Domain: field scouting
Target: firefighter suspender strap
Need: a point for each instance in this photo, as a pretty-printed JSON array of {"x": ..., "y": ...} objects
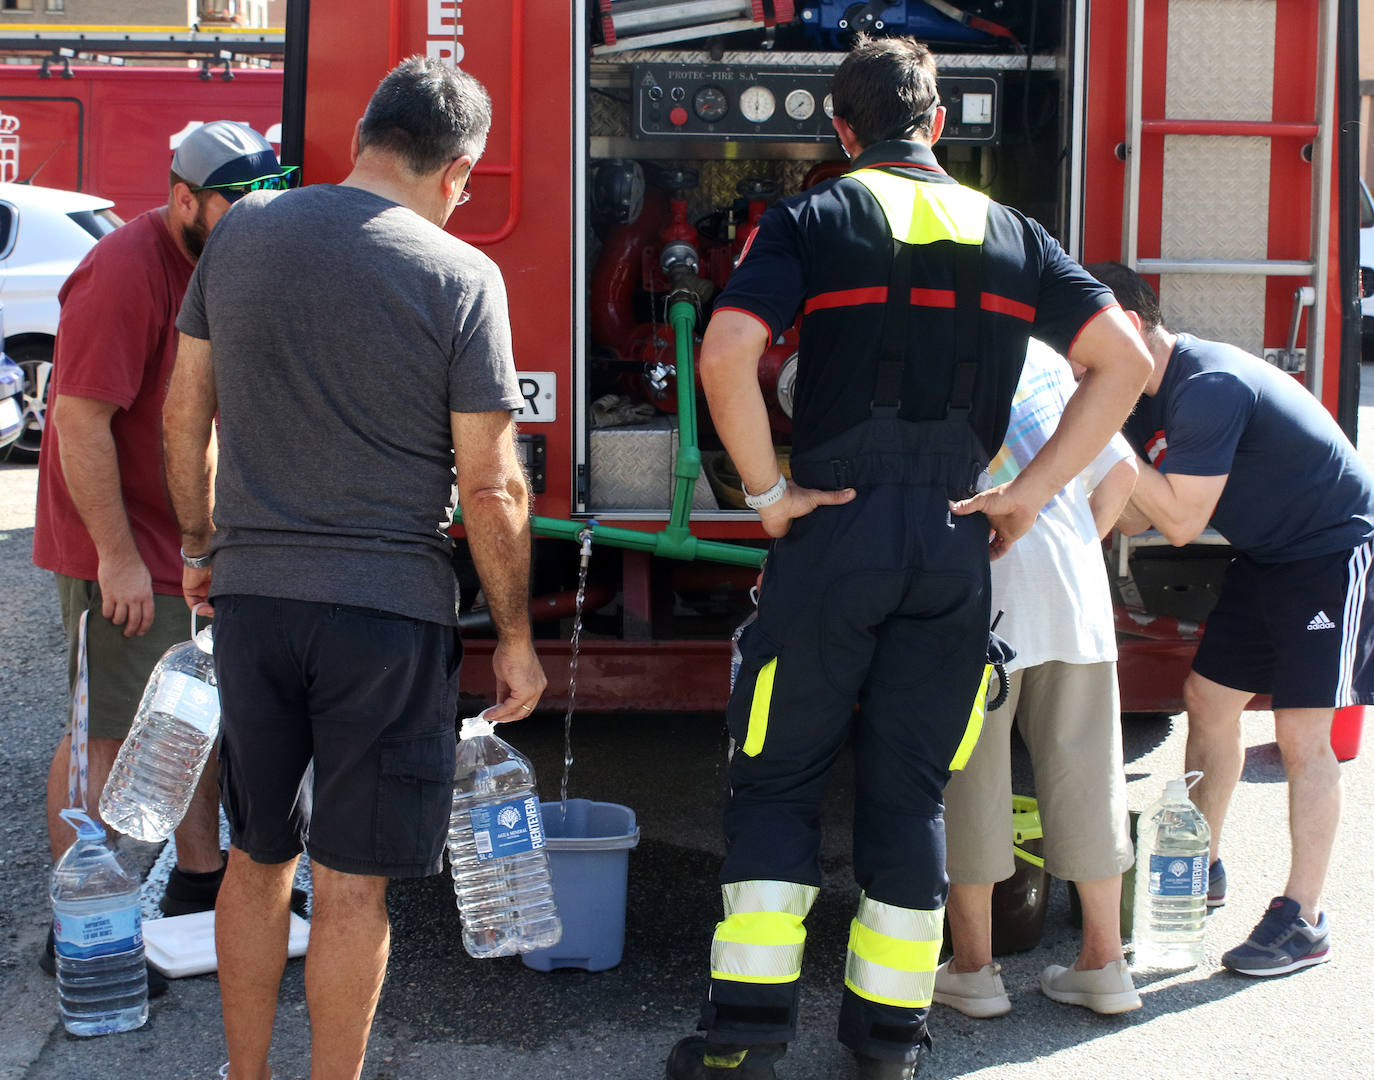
[
  {"x": 887, "y": 390},
  {"x": 920, "y": 213},
  {"x": 968, "y": 295},
  {"x": 968, "y": 322}
]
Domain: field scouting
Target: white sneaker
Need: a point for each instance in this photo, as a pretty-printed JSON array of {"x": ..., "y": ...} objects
[
  {"x": 1107, "y": 990},
  {"x": 979, "y": 994}
]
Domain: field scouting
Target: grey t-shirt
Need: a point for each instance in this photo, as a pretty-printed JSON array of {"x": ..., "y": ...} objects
[{"x": 343, "y": 329}]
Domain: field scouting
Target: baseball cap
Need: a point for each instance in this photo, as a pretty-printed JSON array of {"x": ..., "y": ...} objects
[{"x": 230, "y": 158}]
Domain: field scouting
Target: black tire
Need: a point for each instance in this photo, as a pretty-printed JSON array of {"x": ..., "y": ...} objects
[{"x": 35, "y": 357}]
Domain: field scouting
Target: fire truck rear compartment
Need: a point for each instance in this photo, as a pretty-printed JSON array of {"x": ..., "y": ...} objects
[{"x": 684, "y": 151}]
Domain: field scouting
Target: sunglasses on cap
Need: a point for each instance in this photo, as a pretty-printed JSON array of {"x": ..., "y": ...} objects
[{"x": 289, "y": 177}]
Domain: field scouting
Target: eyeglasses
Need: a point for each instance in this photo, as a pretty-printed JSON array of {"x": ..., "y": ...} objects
[
  {"x": 466, "y": 193},
  {"x": 288, "y": 178}
]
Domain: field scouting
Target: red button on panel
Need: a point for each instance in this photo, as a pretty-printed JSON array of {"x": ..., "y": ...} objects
[{"x": 678, "y": 116}]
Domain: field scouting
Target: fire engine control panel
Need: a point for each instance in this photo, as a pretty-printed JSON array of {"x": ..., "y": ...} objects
[{"x": 723, "y": 101}]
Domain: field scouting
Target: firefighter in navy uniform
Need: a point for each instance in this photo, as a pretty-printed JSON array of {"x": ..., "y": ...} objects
[{"x": 918, "y": 296}]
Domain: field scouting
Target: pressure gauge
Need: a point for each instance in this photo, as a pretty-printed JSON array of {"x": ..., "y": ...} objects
[
  {"x": 757, "y": 103},
  {"x": 977, "y": 109},
  {"x": 829, "y": 106},
  {"x": 710, "y": 104},
  {"x": 799, "y": 104}
]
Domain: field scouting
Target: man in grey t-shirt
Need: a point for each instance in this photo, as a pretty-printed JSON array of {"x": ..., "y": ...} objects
[{"x": 355, "y": 354}]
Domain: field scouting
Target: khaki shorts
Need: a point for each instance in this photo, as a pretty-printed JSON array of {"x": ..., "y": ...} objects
[
  {"x": 1069, "y": 716},
  {"x": 119, "y": 667}
]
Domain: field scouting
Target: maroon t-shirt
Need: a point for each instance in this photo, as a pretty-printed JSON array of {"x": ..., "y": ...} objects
[{"x": 116, "y": 342}]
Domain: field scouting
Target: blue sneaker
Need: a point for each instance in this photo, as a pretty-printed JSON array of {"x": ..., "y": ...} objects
[
  {"x": 1216, "y": 885},
  {"x": 1281, "y": 942}
]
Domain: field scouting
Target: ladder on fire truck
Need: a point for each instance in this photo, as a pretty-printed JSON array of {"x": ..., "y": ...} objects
[
  {"x": 1208, "y": 157},
  {"x": 1213, "y": 184},
  {"x": 214, "y": 45}
]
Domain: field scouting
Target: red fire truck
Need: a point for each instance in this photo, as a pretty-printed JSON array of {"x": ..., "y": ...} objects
[
  {"x": 108, "y": 130},
  {"x": 635, "y": 142}
]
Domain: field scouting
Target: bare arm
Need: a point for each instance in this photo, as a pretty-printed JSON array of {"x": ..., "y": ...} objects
[
  {"x": 90, "y": 467},
  {"x": 1130, "y": 521},
  {"x": 1117, "y": 366},
  {"x": 1109, "y": 498},
  {"x": 496, "y": 517},
  {"x": 188, "y": 452},
  {"x": 1178, "y": 506},
  {"x": 729, "y": 364}
]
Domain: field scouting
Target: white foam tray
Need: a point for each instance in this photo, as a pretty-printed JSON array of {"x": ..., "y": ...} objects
[{"x": 185, "y": 944}]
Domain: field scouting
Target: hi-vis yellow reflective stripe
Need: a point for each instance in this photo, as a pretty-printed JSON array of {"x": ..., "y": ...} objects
[
  {"x": 762, "y": 937},
  {"x": 758, "y": 709},
  {"x": 922, "y": 213},
  {"x": 893, "y": 953},
  {"x": 975, "y": 724}
]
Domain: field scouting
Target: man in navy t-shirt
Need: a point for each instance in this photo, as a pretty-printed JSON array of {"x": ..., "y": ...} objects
[{"x": 1239, "y": 445}]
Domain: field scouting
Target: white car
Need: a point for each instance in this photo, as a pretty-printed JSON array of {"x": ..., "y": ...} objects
[
  {"x": 44, "y": 233},
  {"x": 11, "y": 399}
]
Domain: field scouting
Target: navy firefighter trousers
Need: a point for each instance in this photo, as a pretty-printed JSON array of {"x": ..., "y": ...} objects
[{"x": 880, "y": 603}]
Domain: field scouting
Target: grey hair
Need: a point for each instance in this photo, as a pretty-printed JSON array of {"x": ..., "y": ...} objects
[{"x": 427, "y": 114}]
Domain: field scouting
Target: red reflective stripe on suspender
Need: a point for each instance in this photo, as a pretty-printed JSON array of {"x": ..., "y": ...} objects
[{"x": 931, "y": 298}]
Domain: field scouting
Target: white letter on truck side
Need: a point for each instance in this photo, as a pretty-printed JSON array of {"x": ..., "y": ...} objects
[
  {"x": 442, "y": 15},
  {"x": 445, "y": 52}
]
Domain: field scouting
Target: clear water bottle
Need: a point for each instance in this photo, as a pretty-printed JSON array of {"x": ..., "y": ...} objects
[
  {"x": 158, "y": 767},
  {"x": 496, "y": 848},
  {"x": 1171, "y": 881},
  {"x": 102, "y": 980}
]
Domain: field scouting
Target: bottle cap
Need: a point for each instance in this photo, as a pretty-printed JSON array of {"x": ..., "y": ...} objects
[
  {"x": 1177, "y": 790},
  {"x": 205, "y": 642},
  {"x": 474, "y": 727},
  {"x": 86, "y": 828}
]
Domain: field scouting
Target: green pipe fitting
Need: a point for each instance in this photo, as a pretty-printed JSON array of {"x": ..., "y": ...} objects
[
  {"x": 662, "y": 543},
  {"x": 675, "y": 541}
]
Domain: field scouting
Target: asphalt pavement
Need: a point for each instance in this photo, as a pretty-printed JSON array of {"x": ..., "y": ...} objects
[{"x": 444, "y": 1015}]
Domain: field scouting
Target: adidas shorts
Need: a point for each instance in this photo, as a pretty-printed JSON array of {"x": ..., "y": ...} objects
[{"x": 1302, "y": 631}]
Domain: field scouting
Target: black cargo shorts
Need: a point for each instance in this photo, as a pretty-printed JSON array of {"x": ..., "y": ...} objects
[{"x": 371, "y": 697}]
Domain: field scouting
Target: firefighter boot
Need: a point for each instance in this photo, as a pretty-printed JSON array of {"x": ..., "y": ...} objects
[
  {"x": 694, "y": 1059},
  {"x": 871, "y": 1068}
]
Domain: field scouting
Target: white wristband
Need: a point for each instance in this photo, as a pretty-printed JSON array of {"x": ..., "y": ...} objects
[{"x": 766, "y": 498}]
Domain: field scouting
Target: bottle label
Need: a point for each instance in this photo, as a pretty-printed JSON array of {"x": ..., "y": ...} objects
[
  {"x": 106, "y": 933},
  {"x": 504, "y": 829},
  {"x": 1177, "y": 875},
  {"x": 187, "y": 699}
]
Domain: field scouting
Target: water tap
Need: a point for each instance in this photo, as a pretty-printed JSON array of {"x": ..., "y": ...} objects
[
  {"x": 657, "y": 376},
  {"x": 585, "y": 539}
]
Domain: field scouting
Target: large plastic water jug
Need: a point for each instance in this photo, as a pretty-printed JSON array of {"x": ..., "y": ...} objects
[
  {"x": 102, "y": 979},
  {"x": 496, "y": 848},
  {"x": 1171, "y": 861},
  {"x": 159, "y": 765}
]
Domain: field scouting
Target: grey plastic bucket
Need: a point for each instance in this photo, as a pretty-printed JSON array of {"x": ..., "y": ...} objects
[{"x": 589, "y": 861}]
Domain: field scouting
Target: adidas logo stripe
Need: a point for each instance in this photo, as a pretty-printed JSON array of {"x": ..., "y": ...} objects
[{"x": 1320, "y": 621}]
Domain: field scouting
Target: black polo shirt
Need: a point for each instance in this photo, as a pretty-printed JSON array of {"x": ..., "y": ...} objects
[{"x": 826, "y": 254}]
